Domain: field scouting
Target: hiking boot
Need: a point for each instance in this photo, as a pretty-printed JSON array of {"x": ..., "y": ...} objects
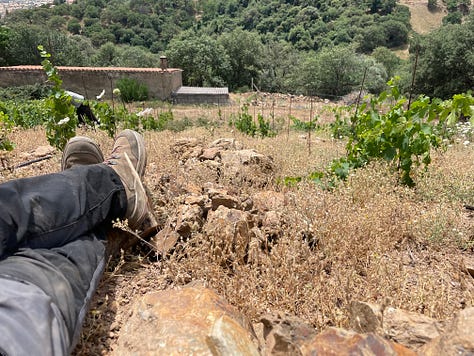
[
  {"x": 80, "y": 150},
  {"x": 128, "y": 160}
]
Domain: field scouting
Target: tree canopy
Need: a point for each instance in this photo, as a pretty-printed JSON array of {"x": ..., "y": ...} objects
[{"x": 237, "y": 42}]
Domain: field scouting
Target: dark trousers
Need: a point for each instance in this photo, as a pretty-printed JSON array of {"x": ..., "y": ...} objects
[{"x": 52, "y": 255}]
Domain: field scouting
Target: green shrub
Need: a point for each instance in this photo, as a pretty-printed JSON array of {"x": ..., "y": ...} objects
[
  {"x": 179, "y": 125},
  {"x": 25, "y": 113},
  {"x": 300, "y": 125},
  {"x": 61, "y": 121},
  {"x": 402, "y": 136},
  {"x": 25, "y": 92},
  {"x": 5, "y": 128},
  {"x": 131, "y": 90},
  {"x": 245, "y": 123}
]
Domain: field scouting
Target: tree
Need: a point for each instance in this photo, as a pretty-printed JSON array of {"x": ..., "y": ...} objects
[
  {"x": 56, "y": 22},
  {"x": 375, "y": 74},
  {"x": 138, "y": 57},
  {"x": 388, "y": 59},
  {"x": 396, "y": 33},
  {"x": 432, "y": 5},
  {"x": 22, "y": 47},
  {"x": 5, "y": 34},
  {"x": 371, "y": 38},
  {"x": 454, "y": 17},
  {"x": 446, "y": 60},
  {"x": 244, "y": 50},
  {"x": 332, "y": 72},
  {"x": 107, "y": 55},
  {"x": 74, "y": 26},
  {"x": 278, "y": 62},
  {"x": 203, "y": 60}
]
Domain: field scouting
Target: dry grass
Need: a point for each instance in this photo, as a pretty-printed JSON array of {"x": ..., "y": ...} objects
[
  {"x": 423, "y": 20},
  {"x": 369, "y": 239}
]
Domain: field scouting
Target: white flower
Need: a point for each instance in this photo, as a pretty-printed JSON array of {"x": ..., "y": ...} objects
[
  {"x": 64, "y": 121},
  {"x": 145, "y": 112},
  {"x": 116, "y": 91},
  {"x": 101, "y": 94}
]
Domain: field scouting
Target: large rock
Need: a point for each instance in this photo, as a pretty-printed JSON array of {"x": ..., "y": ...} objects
[
  {"x": 223, "y": 160},
  {"x": 283, "y": 334},
  {"x": 230, "y": 232},
  {"x": 189, "y": 321},
  {"x": 226, "y": 144},
  {"x": 407, "y": 328},
  {"x": 410, "y": 329},
  {"x": 458, "y": 338},
  {"x": 366, "y": 317},
  {"x": 165, "y": 240},
  {"x": 246, "y": 167},
  {"x": 189, "y": 219},
  {"x": 340, "y": 342},
  {"x": 185, "y": 145}
]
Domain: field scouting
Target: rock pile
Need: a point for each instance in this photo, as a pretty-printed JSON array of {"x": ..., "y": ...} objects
[
  {"x": 195, "y": 320},
  {"x": 237, "y": 224}
]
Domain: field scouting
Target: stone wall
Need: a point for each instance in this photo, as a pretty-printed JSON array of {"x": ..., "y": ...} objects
[{"x": 90, "y": 81}]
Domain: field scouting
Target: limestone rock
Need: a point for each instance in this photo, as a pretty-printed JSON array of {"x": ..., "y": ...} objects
[
  {"x": 272, "y": 224},
  {"x": 458, "y": 338},
  {"x": 246, "y": 158},
  {"x": 226, "y": 144},
  {"x": 366, "y": 317},
  {"x": 246, "y": 167},
  {"x": 189, "y": 321},
  {"x": 210, "y": 154},
  {"x": 229, "y": 230},
  {"x": 340, "y": 342},
  {"x": 410, "y": 329},
  {"x": 42, "y": 151},
  {"x": 165, "y": 240},
  {"x": 284, "y": 333},
  {"x": 200, "y": 200},
  {"x": 226, "y": 200},
  {"x": 184, "y": 145},
  {"x": 190, "y": 219}
]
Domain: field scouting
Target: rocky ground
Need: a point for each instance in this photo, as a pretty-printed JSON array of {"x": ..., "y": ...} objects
[{"x": 244, "y": 264}]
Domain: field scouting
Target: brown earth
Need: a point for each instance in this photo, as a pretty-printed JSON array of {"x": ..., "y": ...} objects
[
  {"x": 423, "y": 20},
  {"x": 369, "y": 239}
]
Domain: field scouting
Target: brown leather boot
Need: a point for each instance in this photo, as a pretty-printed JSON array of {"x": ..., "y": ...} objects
[
  {"x": 81, "y": 150},
  {"x": 128, "y": 159}
]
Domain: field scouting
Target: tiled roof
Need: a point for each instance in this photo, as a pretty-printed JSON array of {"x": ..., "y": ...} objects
[
  {"x": 198, "y": 90},
  {"x": 91, "y": 69}
]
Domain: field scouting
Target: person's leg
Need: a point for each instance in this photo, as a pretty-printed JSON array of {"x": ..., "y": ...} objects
[
  {"x": 44, "y": 293},
  {"x": 51, "y": 210},
  {"x": 44, "y": 296}
]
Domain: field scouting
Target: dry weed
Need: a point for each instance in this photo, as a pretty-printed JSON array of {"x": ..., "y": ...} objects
[{"x": 369, "y": 239}]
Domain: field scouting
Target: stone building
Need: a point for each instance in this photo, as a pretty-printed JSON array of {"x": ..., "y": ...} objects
[
  {"x": 90, "y": 81},
  {"x": 163, "y": 83}
]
